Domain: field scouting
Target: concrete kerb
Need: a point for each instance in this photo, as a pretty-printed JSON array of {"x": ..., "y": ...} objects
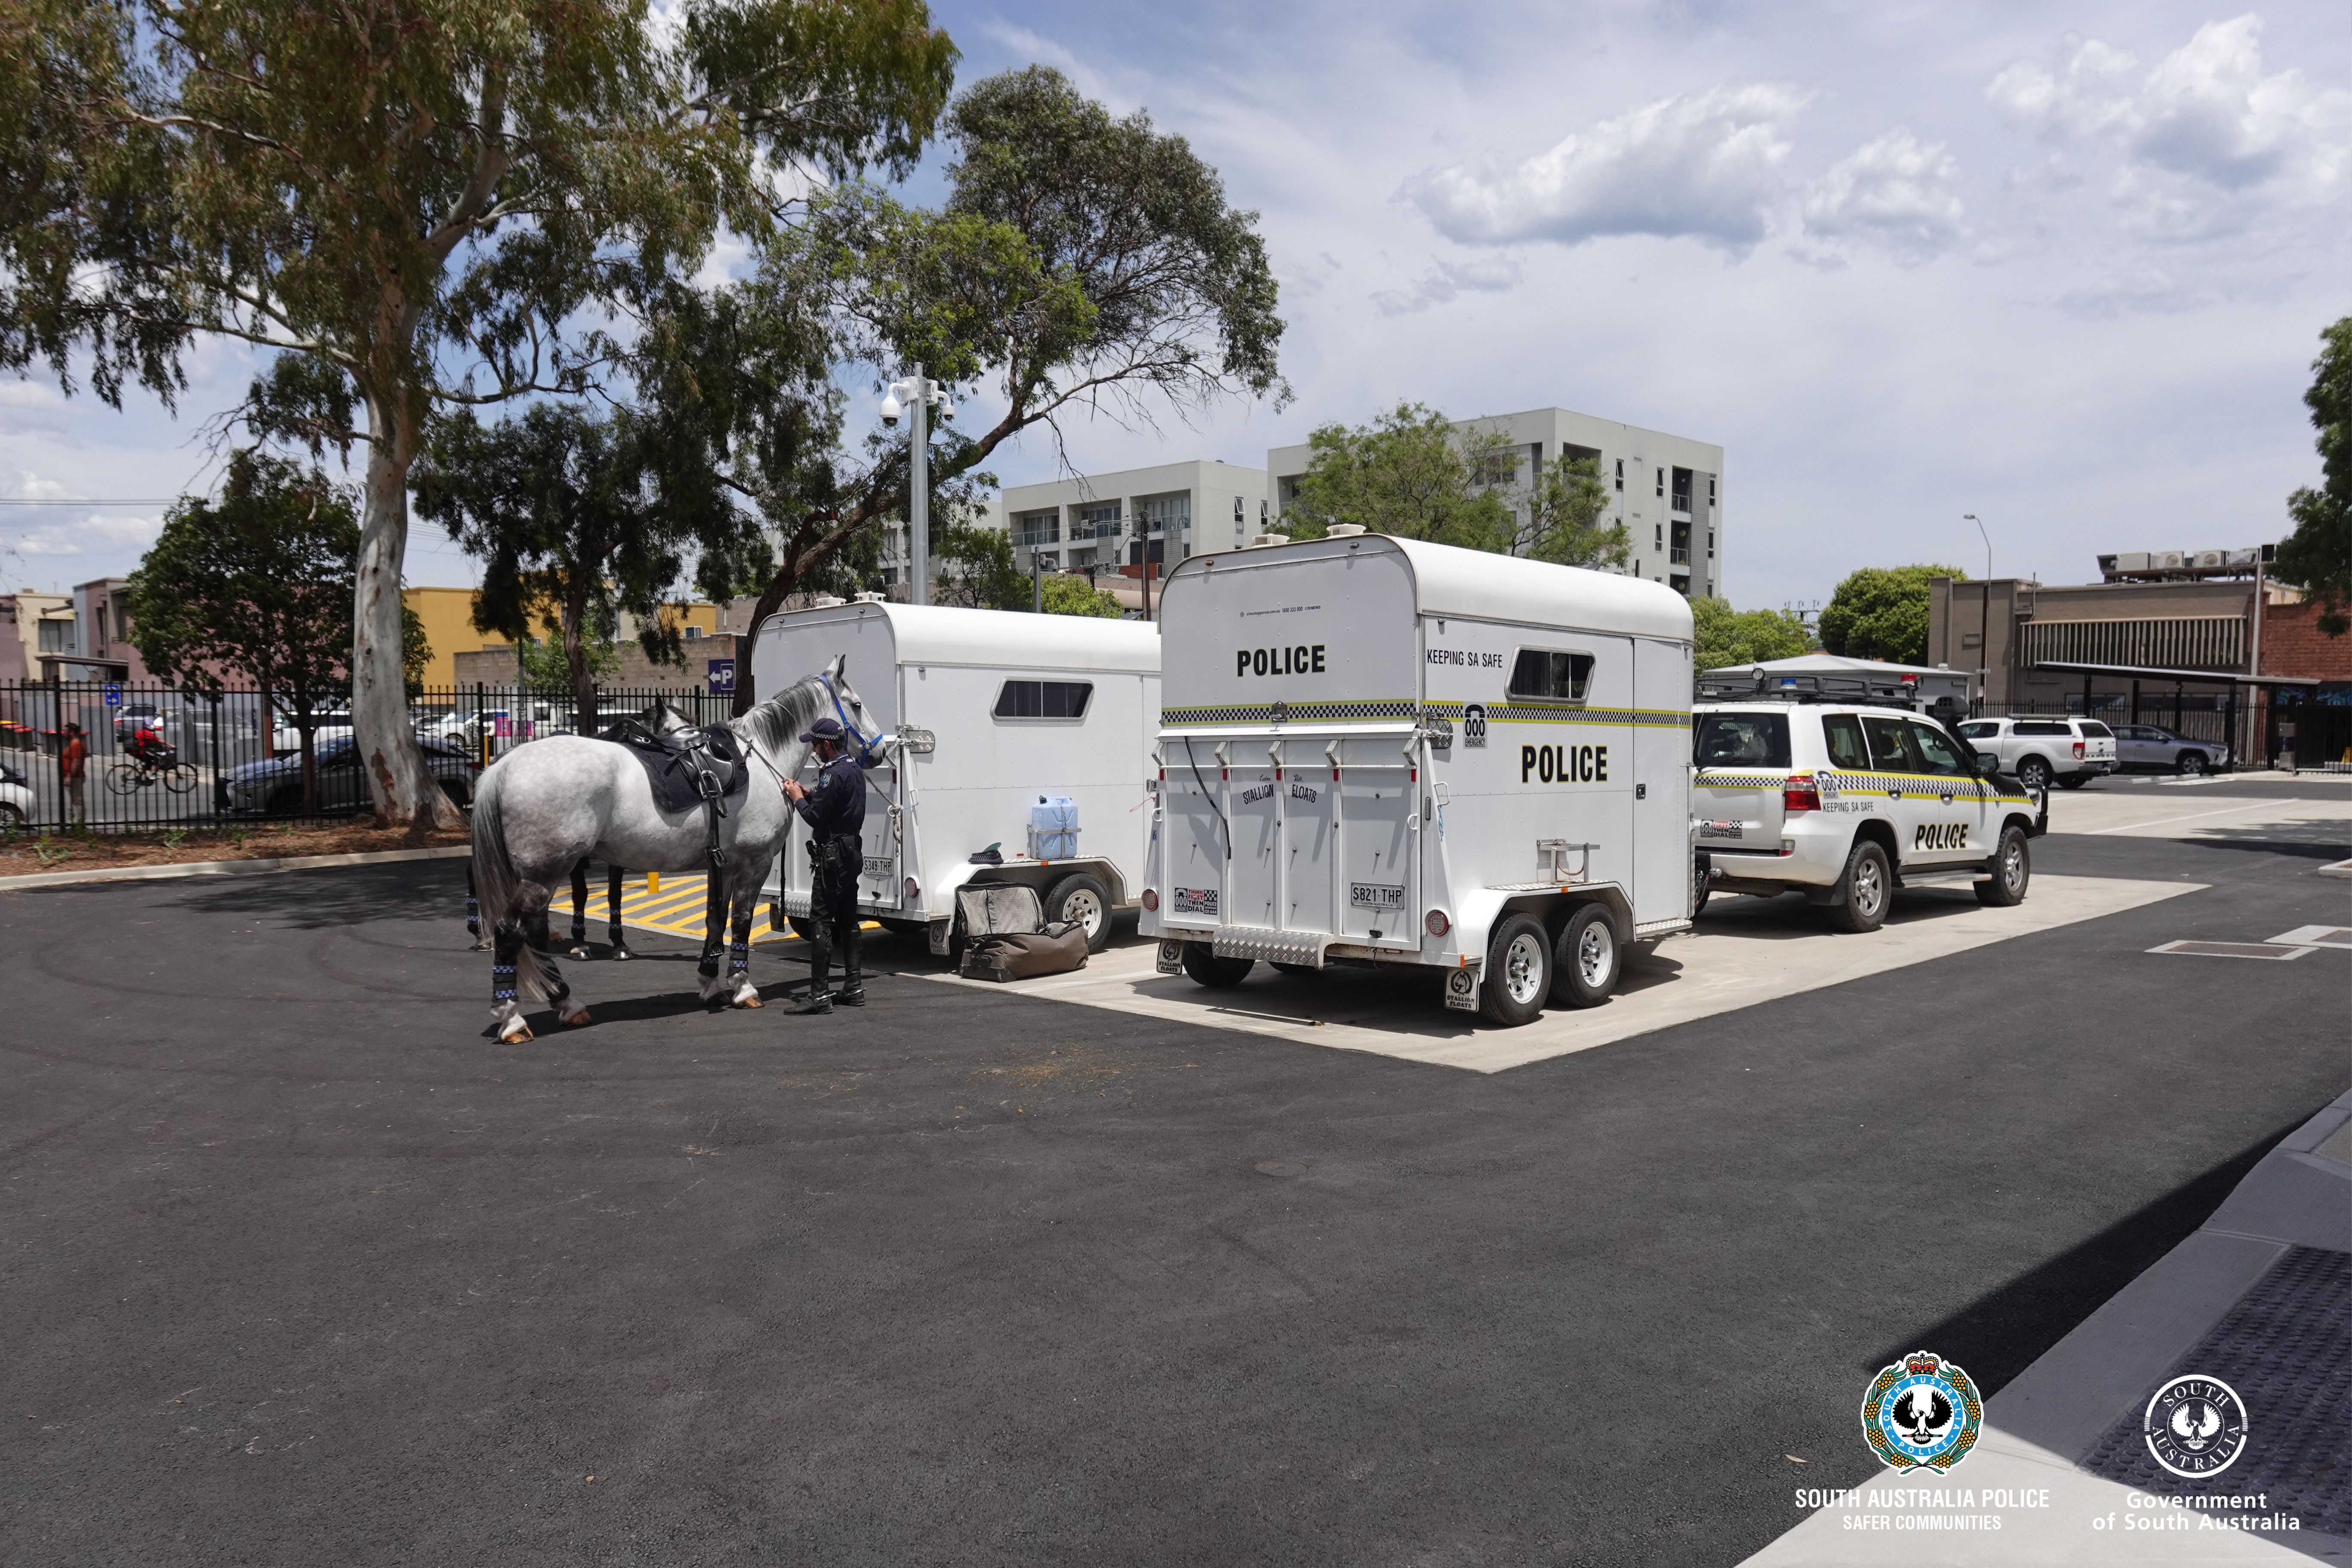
[{"x": 258, "y": 868}]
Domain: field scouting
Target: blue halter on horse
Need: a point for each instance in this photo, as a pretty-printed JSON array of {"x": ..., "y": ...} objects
[{"x": 869, "y": 749}]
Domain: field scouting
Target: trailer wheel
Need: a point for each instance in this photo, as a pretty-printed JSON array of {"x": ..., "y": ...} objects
[
  {"x": 1282, "y": 968},
  {"x": 1585, "y": 958},
  {"x": 1082, "y": 898},
  {"x": 1518, "y": 972},
  {"x": 1202, "y": 963},
  {"x": 800, "y": 925}
]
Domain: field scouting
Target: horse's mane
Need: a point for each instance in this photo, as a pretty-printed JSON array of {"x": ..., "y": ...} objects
[{"x": 779, "y": 721}]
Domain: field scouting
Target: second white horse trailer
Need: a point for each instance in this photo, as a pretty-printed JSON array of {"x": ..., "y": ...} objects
[
  {"x": 1380, "y": 749},
  {"x": 1001, "y": 721}
]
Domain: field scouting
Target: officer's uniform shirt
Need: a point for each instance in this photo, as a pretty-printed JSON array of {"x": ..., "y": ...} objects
[{"x": 836, "y": 806}]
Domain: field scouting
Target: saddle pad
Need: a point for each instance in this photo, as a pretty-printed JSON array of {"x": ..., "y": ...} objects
[
  {"x": 992, "y": 909},
  {"x": 675, "y": 763}
]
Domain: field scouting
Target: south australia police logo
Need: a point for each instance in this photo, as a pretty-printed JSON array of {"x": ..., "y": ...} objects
[{"x": 1922, "y": 1412}]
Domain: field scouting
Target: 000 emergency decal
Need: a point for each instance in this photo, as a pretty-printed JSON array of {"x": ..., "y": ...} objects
[{"x": 1564, "y": 765}]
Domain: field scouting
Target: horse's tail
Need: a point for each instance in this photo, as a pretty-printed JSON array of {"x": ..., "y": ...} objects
[{"x": 499, "y": 888}]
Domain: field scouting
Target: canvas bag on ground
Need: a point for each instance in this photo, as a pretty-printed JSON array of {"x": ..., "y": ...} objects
[{"x": 1006, "y": 936}]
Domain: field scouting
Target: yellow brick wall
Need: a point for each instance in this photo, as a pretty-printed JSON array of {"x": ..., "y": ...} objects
[{"x": 448, "y": 618}]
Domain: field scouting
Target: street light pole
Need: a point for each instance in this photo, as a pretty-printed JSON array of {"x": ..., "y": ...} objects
[
  {"x": 1984, "y": 622},
  {"x": 916, "y": 394}
]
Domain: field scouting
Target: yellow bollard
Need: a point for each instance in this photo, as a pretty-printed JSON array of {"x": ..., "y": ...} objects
[{"x": 653, "y": 884}]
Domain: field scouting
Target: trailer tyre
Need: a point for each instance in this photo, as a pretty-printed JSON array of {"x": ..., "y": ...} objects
[
  {"x": 800, "y": 925},
  {"x": 1082, "y": 898},
  {"x": 1202, "y": 963},
  {"x": 1585, "y": 958},
  {"x": 1518, "y": 972},
  {"x": 909, "y": 930},
  {"x": 1282, "y": 968}
]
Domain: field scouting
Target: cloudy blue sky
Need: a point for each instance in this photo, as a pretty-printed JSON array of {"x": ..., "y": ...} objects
[{"x": 2061, "y": 266}]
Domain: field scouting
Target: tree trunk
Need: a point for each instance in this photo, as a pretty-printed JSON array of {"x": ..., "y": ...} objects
[
  {"x": 306, "y": 740},
  {"x": 402, "y": 788},
  {"x": 575, "y": 655}
]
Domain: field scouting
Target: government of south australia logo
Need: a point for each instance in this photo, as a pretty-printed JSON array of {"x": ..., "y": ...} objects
[
  {"x": 1922, "y": 1412},
  {"x": 2196, "y": 1426}
]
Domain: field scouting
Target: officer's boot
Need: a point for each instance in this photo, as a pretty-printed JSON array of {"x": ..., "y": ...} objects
[
  {"x": 819, "y": 999},
  {"x": 853, "y": 981}
]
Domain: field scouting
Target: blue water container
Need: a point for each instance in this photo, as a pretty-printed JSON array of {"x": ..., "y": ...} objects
[{"x": 1053, "y": 828}]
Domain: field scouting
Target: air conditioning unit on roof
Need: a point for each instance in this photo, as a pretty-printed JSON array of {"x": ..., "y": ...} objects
[
  {"x": 2209, "y": 560},
  {"x": 2132, "y": 561},
  {"x": 2164, "y": 561}
]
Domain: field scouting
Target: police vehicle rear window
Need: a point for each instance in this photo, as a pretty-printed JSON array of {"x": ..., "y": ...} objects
[
  {"x": 1741, "y": 740},
  {"x": 2040, "y": 727},
  {"x": 1546, "y": 675},
  {"x": 1043, "y": 699}
]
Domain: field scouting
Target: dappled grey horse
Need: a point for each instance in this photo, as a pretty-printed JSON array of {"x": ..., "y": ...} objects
[{"x": 543, "y": 807}]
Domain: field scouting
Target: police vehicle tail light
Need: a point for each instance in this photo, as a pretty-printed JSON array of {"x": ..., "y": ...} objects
[
  {"x": 1152, "y": 899},
  {"x": 1435, "y": 923},
  {"x": 1800, "y": 793},
  {"x": 914, "y": 889}
]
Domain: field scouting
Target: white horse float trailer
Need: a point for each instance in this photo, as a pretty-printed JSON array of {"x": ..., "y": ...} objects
[
  {"x": 993, "y": 712},
  {"x": 1379, "y": 750}
]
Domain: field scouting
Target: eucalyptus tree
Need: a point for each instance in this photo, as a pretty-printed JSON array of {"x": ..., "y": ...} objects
[
  {"x": 1082, "y": 263},
  {"x": 416, "y": 204}
]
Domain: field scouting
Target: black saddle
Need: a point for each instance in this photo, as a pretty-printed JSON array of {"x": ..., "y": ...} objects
[{"x": 687, "y": 767}]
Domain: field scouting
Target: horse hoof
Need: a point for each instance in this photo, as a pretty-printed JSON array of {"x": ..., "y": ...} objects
[
  {"x": 578, "y": 1020},
  {"x": 620, "y": 955},
  {"x": 515, "y": 1034},
  {"x": 750, "y": 1002},
  {"x": 580, "y": 953}
]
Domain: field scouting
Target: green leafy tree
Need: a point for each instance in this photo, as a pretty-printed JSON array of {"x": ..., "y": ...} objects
[
  {"x": 1065, "y": 593},
  {"x": 256, "y": 584},
  {"x": 975, "y": 569},
  {"x": 1562, "y": 520},
  {"x": 1726, "y": 636},
  {"x": 1409, "y": 473},
  {"x": 1880, "y": 612},
  {"x": 1082, "y": 262},
  {"x": 2317, "y": 556},
  {"x": 565, "y": 512},
  {"x": 416, "y": 202},
  {"x": 546, "y": 664}
]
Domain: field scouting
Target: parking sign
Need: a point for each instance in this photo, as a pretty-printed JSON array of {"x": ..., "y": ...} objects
[
  {"x": 722, "y": 678},
  {"x": 114, "y": 697}
]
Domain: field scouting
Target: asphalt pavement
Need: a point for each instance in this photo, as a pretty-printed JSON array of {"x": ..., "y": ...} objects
[{"x": 300, "y": 1267}]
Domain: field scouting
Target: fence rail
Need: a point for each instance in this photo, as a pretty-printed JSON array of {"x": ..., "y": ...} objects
[{"x": 232, "y": 756}]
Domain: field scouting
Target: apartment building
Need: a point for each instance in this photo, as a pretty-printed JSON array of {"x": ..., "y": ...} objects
[
  {"x": 1162, "y": 514},
  {"x": 1667, "y": 489}
]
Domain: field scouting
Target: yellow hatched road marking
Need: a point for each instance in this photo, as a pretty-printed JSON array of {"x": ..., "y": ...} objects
[{"x": 676, "y": 910}]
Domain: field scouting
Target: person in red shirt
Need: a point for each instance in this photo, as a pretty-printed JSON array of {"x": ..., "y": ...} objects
[{"x": 75, "y": 761}]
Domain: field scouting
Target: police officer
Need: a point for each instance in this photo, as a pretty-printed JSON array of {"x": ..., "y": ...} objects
[{"x": 835, "y": 813}]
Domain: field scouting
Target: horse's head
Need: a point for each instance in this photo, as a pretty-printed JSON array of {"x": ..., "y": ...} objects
[{"x": 852, "y": 706}]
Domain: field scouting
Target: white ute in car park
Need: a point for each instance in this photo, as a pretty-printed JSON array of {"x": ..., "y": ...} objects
[
  {"x": 1846, "y": 803},
  {"x": 2068, "y": 753}
]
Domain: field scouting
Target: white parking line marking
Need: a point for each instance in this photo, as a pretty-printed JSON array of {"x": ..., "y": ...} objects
[
  {"x": 2315, "y": 936},
  {"x": 2264, "y": 950},
  {"x": 2158, "y": 822},
  {"x": 1747, "y": 951}
]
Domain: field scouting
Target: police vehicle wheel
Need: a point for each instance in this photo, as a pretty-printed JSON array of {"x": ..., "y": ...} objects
[
  {"x": 1202, "y": 963},
  {"x": 1518, "y": 972},
  {"x": 2074, "y": 781},
  {"x": 1585, "y": 958},
  {"x": 1698, "y": 888},
  {"x": 1869, "y": 884},
  {"x": 2012, "y": 869},
  {"x": 1082, "y": 898},
  {"x": 2033, "y": 773}
]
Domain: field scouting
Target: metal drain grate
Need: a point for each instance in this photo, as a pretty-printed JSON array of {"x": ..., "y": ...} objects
[
  {"x": 2316, "y": 936},
  {"x": 2231, "y": 950},
  {"x": 2286, "y": 1347}
]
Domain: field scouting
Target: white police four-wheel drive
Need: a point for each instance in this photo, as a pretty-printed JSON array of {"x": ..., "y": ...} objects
[
  {"x": 1380, "y": 749},
  {"x": 1846, "y": 802},
  {"x": 1002, "y": 723}
]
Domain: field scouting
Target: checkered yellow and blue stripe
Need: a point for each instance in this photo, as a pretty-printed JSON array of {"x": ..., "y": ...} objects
[
  {"x": 1866, "y": 784},
  {"x": 1405, "y": 708}
]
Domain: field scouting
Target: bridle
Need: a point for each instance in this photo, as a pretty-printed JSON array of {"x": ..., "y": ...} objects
[{"x": 866, "y": 748}]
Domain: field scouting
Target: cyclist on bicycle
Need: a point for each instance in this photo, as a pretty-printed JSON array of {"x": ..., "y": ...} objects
[{"x": 148, "y": 748}]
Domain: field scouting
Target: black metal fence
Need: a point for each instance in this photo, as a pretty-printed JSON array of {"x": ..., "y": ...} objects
[{"x": 160, "y": 756}]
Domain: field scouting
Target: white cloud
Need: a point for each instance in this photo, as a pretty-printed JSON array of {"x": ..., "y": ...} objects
[
  {"x": 2205, "y": 141},
  {"x": 95, "y": 534},
  {"x": 1705, "y": 166},
  {"x": 1897, "y": 191},
  {"x": 1449, "y": 280}
]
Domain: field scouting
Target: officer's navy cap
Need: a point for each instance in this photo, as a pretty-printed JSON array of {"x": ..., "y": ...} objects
[{"x": 824, "y": 730}]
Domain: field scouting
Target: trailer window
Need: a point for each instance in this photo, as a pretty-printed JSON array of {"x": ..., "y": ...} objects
[
  {"x": 1743, "y": 739},
  {"x": 1044, "y": 698},
  {"x": 1543, "y": 675}
]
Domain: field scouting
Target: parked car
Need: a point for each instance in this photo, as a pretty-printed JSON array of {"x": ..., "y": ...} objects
[
  {"x": 15, "y": 799},
  {"x": 274, "y": 788},
  {"x": 2153, "y": 747},
  {"x": 287, "y": 737},
  {"x": 2068, "y": 753},
  {"x": 134, "y": 717},
  {"x": 1845, "y": 803}
]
